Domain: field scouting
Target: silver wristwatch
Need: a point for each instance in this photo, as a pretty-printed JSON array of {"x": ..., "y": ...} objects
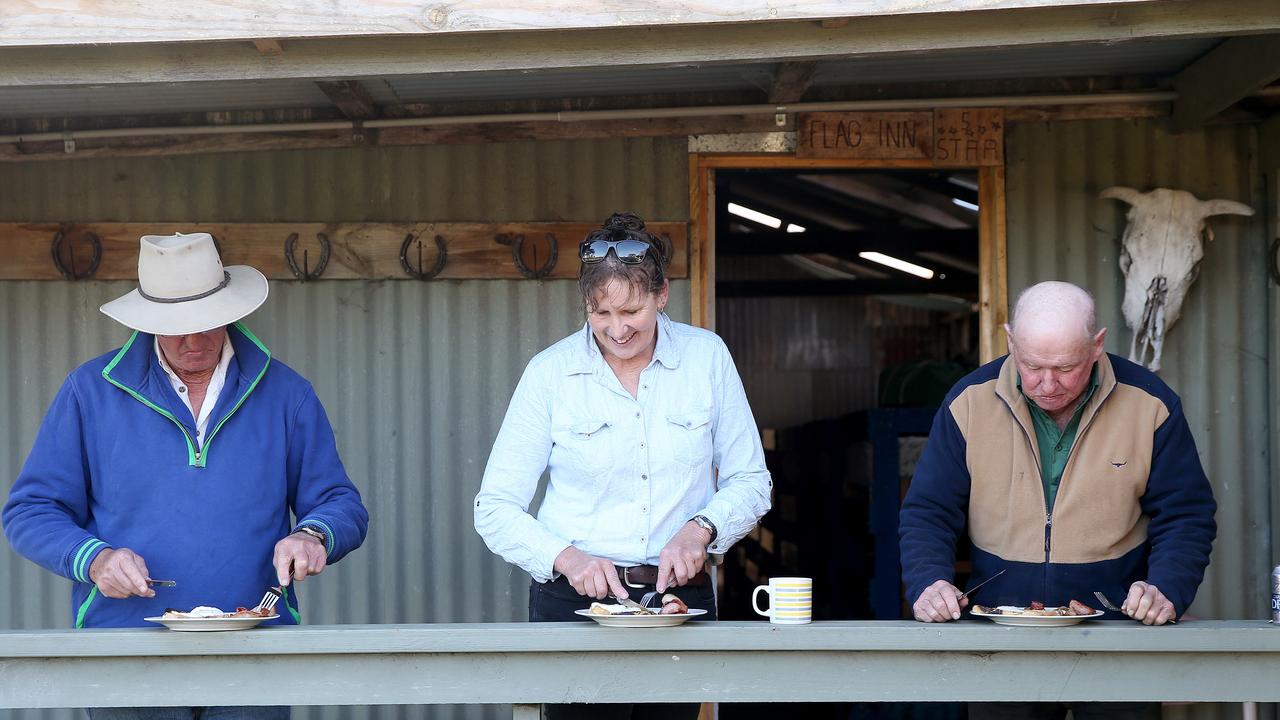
[
  {"x": 707, "y": 525},
  {"x": 313, "y": 532}
]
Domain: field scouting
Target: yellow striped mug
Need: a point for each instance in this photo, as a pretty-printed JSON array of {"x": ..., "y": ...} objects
[{"x": 790, "y": 600}]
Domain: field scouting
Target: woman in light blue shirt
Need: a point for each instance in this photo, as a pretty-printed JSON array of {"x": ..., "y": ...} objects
[{"x": 653, "y": 453}]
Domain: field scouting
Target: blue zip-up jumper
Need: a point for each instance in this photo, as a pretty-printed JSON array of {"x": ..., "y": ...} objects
[{"x": 115, "y": 465}]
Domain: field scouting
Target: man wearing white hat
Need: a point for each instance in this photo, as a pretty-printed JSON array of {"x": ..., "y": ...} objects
[{"x": 182, "y": 456}]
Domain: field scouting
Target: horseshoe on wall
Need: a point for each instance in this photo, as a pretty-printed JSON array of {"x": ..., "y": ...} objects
[
  {"x": 517, "y": 242},
  {"x": 305, "y": 273},
  {"x": 73, "y": 273},
  {"x": 418, "y": 273}
]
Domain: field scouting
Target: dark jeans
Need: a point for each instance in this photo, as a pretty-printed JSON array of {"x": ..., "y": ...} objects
[
  {"x": 555, "y": 602},
  {"x": 248, "y": 712},
  {"x": 1058, "y": 711}
]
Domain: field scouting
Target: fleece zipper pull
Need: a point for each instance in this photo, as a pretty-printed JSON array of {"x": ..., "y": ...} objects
[{"x": 1048, "y": 530}]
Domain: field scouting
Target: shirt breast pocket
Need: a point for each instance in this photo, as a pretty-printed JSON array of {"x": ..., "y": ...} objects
[
  {"x": 690, "y": 437},
  {"x": 586, "y": 447}
]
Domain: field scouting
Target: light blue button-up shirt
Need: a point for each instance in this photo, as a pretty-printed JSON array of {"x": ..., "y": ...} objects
[{"x": 626, "y": 473}]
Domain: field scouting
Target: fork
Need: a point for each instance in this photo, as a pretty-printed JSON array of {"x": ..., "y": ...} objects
[
  {"x": 1111, "y": 606},
  {"x": 1105, "y": 602},
  {"x": 270, "y": 599},
  {"x": 648, "y": 598}
]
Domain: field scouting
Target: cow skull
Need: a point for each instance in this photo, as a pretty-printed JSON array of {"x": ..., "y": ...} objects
[{"x": 1160, "y": 257}]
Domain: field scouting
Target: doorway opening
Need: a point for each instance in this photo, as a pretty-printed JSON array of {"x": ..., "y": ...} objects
[{"x": 849, "y": 299}]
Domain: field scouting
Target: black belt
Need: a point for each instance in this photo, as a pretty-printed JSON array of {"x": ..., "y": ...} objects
[{"x": 648, "y": 575}]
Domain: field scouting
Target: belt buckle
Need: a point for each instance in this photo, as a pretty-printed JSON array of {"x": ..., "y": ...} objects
[{"x": 626, "y": 579}]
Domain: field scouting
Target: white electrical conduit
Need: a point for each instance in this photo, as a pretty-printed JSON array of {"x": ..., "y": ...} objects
[{"x": 589, "y": 115}]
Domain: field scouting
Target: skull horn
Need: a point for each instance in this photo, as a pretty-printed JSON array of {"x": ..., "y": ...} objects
[
  {"x": 1127, "y": 194},
  {"x": 1224, "y": 207}
]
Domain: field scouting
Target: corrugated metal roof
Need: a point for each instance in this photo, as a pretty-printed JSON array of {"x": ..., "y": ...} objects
[
  {"x": 1078, "y": 60},
  {"x": 583, "y": 83},
  {"x": 1142, "y": 57},
  {"x": 158, "y": 98}
]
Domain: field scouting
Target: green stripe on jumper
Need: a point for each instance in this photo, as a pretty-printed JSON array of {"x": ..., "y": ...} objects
[
  {"x": 192, "y": 455},
  {"x": 79, "y": 571},
  {"x": 239, "y": 326},
  {"x": 84, "y": 607}
]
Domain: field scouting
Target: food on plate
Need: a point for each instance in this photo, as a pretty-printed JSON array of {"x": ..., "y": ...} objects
[
  {"x": 1037, "y": 609},
  {"x": 206, "y": 612},
  {"x": 602, "y": 609},
  {"x": 1080, "y": 608},
  {"x": 672, "y": 605}
]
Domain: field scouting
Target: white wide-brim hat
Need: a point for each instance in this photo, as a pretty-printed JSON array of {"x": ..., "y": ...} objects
[{"x": 183, "y": 288}]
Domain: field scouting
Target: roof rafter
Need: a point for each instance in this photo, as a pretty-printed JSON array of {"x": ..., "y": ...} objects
[
  {"x": 790, "y": 82},
  {"x": 351, "y": 98},
  {"x": 1223, "y": 77}
]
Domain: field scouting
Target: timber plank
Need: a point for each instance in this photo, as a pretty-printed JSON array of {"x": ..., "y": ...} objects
[{"x": 359, "y": 251}]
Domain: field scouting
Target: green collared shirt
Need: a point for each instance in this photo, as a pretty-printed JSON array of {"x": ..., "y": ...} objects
[{"x": 1055, "y": 445}]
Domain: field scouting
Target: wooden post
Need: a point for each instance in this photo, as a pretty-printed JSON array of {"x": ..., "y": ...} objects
[
  {"x": 701, "y": 244},
  {"x": 993, "y": 280}
]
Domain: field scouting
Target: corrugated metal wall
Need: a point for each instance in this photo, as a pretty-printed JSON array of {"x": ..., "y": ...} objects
[
  {"x": 1216, "y": 357},
  {"x": 415, "y": 376},
  {"x": 807, "y": 358}
]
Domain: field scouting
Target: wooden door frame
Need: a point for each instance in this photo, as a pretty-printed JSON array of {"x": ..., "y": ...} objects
[{"x": 993, "y": 277}]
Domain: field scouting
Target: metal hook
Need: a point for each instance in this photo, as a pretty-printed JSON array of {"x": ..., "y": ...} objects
[
  {"x": 305, "y": 273},
  {"x": 517, "y": 242},
  {"x": 71, "y": 273},
  {"x": 418, "y": 273}
]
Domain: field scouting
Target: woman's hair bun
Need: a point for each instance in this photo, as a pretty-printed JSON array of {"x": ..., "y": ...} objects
[{"x": 624, "y": 221}]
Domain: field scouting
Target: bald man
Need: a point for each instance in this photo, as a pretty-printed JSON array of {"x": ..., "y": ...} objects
[{"x": 1075, "y": 470}]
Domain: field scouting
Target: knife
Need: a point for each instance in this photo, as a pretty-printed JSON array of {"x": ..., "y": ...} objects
[
  {"x": 975, "y": 587},
  {"x": 162, "y": 583},
  {"x": 628, "y": 602}
]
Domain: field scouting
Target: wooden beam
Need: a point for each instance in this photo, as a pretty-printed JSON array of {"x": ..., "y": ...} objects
[
  {"x": 993, "y": 259},
  {"x": 677, "y": 45},
  {"x": 1100, "y": 111},
  {"x": 268, "y": 47},
  {"x": 1223, "y": 77},
  {"x": 808, "y": 208},
  {"x": 63, "y": 22},
  {"x": 861, "y": 286},
  {"x": 352, "y": 100},
  {"x": 358, "y": 251},
  {"x": 854, "y": 187},
  {"x": 151, "y": 146},
  {"x": 702, "y": 253},
  {"x": 962, "y": 242},
  {"x": 790, "y": 81}
]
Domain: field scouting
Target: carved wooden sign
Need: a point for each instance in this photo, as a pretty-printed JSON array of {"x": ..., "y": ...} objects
[
  {"x": 350, "y": 251},
  {"x": 873, "y": 136},
  {"x": 951, "y": 137},
  {"x": 968, "y": 137}
]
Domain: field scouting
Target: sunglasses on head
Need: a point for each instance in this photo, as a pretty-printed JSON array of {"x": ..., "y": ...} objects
[{"x": 629, "y": 251}]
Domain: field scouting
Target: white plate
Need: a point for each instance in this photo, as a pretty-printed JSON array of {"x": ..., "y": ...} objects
[
  {"x": 209, "y": 624},
  {"x": 641, "y": 620},
  {"x": 1036, "y": 620}
]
